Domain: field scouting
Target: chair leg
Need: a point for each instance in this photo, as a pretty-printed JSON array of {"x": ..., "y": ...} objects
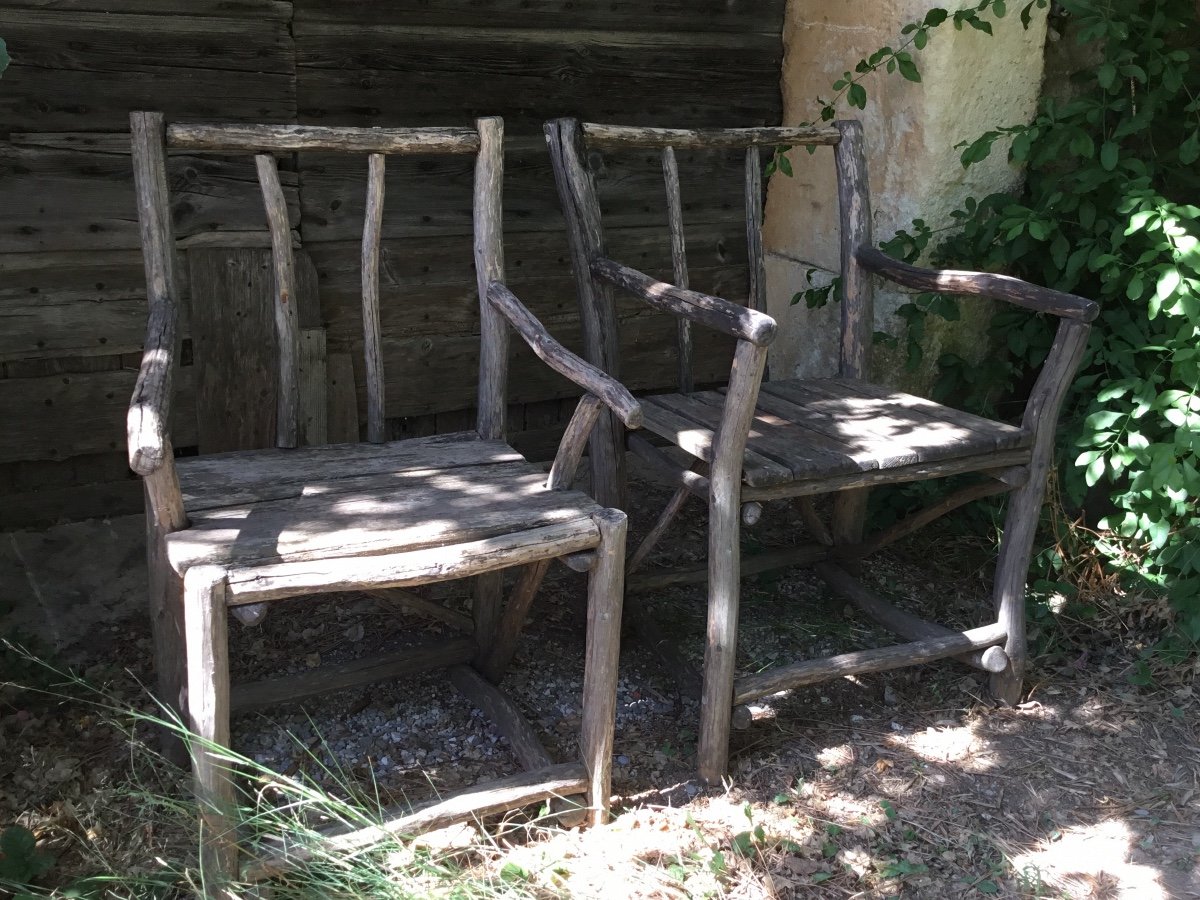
[
  {"x": 208, "y": 718},
  {"x": 606, "y": 588},
  {"x": 720, "y": 651},
  {"x": 167, "y": 627},
  {"x": 1008, "y": 590},
  {"x": 849, "y": 516},
  {"x": 487, "y": 605}
]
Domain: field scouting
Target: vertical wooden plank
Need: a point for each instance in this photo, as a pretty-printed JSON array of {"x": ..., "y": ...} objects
[
  {"x": 342, "y": 399},
  {"x": 597, "y": 312},
  {"x": 724, "y": 560},
  {"x": 372, "y": 229},
  {"x": 164, "y": 502},
  {"x": 754, "y": 218},
  {"x": 606, "y": 589},
  {"x": 234, "y": 348},
  {"x": 287, "y": 415},
  {"x": 208, "y": 720},
  {"x": 679, "y": 268},
  {"x": 1025, "y": 503},
  {"x": 314, "y": 403},
  {"x": 857, "y": 309},
  {"x": 489, "y": 267},
  {"x": 858, "y": 313}
]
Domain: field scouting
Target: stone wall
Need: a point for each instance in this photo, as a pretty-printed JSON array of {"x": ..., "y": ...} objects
[{"x": 971, "y": 82}]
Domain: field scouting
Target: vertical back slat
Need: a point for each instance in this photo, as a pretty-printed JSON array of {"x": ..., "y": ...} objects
[
  {"x": 287, "y": 328},
  {"x": 597, "y": 313},
  {"x": 489, "y": 267},
  {"x": 373, "y": 357},
  {"x": 754, "y": 218},
  {"x": 678, "y": 264},
  {"x": 855, "y": 206}
]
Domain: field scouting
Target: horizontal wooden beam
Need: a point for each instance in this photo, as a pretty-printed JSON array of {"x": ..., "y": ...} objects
[
  {"x": 664, "y": 467},
  {"x": 409, "y": 661},
  {"x": 273, "y": 582},
  {"x": 897, "y": 475},
  {"x": 805, "y": 554},
  {"x": 897, "y": 621},
  {"x": 860, "y": 662},
  {"x": 234, "y": 138},
  {"x": 430, "y": 608},
  {"x": 716, "y": 313},
  {"x": 618, "y": 136},
  {"x": 978, "y": 284},
  {"x": 473, "y": 803},
  {"x": 923, "y": 517}
]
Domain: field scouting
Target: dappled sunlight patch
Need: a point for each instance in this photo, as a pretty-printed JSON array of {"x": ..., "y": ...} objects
[
  {"x": 1093, "y": 862},
  {"x": 961, "y": 745}
]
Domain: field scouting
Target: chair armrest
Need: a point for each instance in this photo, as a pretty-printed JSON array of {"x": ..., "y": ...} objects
[
  {"x": 713, "y": 312},
  {"x": 148, "y": 421},
  {"x": 561, "y": 360},
  {"x": 980, "y": 284}
]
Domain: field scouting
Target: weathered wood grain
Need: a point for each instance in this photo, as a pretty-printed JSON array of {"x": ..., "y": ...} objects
[
  {"x": 475, "y": 802},
  {"x": 488, "y": 219},
  {"x": 233, "y": 138},
  {"x": 613, "y": 136},
  {"x": 208, "y": 719},
  {"x": 314, "y": 378},
  {"x": 235, "y": 353},
  {"x": 802, "y": 555},
  {"x": 724, "y": 559},
  {"x": 83, "y": 198},
  {"x": 712, "y": 312},
  {"x": 461, "y": 559},
  {"x": 860, "y": 662},
  {"x": 504, "y": 714},
  {"x": 754, "y": 223},
  {"x": 573, "y": 443},
  {"x": 373, "y": 359},
  {"x": 72, "y": 415},
  {"x": 64, "y": 304},
  {"x": 411, "y": 73},
  {"x": 745, "y": 16},
  {"x": 287, "y": 316},
  {"x": 92, "y": 63},
  {"x": 563, "y": 361},
  {"x": 679, "y": 265},
  {"x": 979, "y": 284},
  {"x": 899, "y": 622}
]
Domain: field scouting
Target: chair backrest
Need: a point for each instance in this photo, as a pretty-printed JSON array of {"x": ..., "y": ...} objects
[
  {"x": 153, "y": 138},
  {"x": 570, "y": 143}
]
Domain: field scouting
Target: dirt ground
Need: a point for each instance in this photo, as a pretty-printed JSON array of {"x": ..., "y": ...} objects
[{"x": 909, "y": 783}]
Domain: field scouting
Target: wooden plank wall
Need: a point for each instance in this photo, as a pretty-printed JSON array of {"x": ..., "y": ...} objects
[{"x": 72, "y": 301}]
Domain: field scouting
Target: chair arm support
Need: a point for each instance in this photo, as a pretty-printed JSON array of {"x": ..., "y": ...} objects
[
  {"x": 148, "y": 421},
  {"x": 980, "y": 284},
  {"x": 713, "y": 312},
  {"x": 561, "y": 360}
]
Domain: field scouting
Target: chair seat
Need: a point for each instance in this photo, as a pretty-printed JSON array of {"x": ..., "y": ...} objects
[
  {"x": 269, "y": 506},
  {"x": 812, "y": 429}
]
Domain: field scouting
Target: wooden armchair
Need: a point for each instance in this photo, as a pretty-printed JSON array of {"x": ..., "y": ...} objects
[
  {"x": 795, "y": 438},
  {"x": 232, "y": 532}
]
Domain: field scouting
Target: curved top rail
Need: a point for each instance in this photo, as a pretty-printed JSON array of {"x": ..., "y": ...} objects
[
  {"x": 235, "y": 138},
  {"x": 616, "y": 136}
]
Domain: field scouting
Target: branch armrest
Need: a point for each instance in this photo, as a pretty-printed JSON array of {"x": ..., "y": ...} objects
[
  {"x": 561, "y": 360},
  {"x": 148, "y": 422},
  {"x": 713, "y": 312},
  {"x": 980, "y": 284}
]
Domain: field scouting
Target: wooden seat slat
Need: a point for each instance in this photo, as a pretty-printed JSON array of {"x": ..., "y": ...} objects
[
  {"x": 226, "y": 479},
  {"x": 1003, "y": 435},
  {"x": 384, "y": 512},
  {"x": 696, "y": 437}
]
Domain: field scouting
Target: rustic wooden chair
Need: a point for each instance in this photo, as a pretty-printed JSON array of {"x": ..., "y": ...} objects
[
  {"x": 236, "y": 531},
  {"x": 796, "y": 438}
]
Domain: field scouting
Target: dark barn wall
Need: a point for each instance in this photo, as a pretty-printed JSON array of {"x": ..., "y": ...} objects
[{"x": 72, "y": 301}]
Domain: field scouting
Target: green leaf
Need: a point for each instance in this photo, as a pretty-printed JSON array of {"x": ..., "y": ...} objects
[
  {"x": 980, "y": 25},
  {"x": 909, "y": 69},
  {"x": 1109, "y": 154},
  {"x": 1189, "y": 150},
  {"x": 987, "y": 887},
  {"x": 743, "y": 844},
  {"x": 1106, "y": 75},
  {"x": 513, "y": 872},
  {"x": 717, "y": 864},
  {"x": 857, "y": 96},
  {"x": 785, "y": 165},
  {"x": 935, "y": 17},
  {"x": 818, "y": 877}
]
